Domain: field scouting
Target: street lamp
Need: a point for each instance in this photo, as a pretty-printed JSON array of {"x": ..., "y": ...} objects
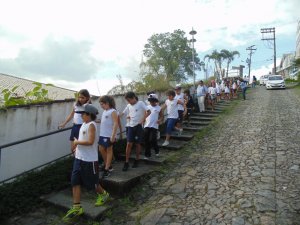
[{"x": 193, "y": 32}]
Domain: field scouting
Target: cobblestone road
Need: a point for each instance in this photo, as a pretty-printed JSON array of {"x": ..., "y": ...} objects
[{"x": 246, "y": 172}]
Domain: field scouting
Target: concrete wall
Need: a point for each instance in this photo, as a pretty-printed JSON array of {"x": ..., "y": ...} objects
[{"x": 26, "y": 122}]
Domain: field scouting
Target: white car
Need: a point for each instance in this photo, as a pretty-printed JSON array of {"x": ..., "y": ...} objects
[
  {"x": 263, "y": 79},
  {"x": 274, "y": 82}
]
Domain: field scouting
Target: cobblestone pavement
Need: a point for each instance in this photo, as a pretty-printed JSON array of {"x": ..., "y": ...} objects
[{"x": 245, "y": 172}]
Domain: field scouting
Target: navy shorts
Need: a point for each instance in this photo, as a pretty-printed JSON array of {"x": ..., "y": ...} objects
[
  {"x": 170, "y": 125},
  {"x": 85, "y": 174},
  {"x": 135, "y": 134},
  {"x": 75, "y": 131},
  {"x": 105, "y": 142},
  {"x": 180, "y": 116}
]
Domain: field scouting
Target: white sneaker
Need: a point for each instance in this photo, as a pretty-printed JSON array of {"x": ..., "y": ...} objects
[
  {"x": 146, "y": 158},
  {"x": 165, "y": 143},
  {"x": 157, "y": 154},
  {"x": 180, "y": 131}
]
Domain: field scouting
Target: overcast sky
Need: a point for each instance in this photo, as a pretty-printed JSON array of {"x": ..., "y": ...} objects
[{"x": 85, "y": 44}]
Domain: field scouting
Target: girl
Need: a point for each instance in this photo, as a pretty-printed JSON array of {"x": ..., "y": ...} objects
[
  {"x": 136, "y": 113},
  {"x": 218, "y": 89},
  {"x": 179, "y": 96},
  {"x": 189, "y": 105},
  {"x": 85, "y": 167},
  {"x": 227, "y": 92},
  {"x": 151, "y": 125},
  {"x": 212, "y": 96},
  {"x": 108, "y": 130},
  {"x": 234, "y": 89},
  {"x": 82, "y": 99},
  {"x": 172, "y": 109}
]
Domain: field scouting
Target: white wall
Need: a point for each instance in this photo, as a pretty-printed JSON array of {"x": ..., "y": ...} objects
[{"x": 25, "y": 122}]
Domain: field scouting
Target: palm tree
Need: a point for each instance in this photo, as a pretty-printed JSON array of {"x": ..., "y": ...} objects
[
  {"x": 229, "y": 57},
  {"x": 218, "y": 58}
]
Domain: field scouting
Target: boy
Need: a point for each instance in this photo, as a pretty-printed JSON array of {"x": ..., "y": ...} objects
[
  {"x": 85, "y": 168},
  {"x": 136, "y": 113}
]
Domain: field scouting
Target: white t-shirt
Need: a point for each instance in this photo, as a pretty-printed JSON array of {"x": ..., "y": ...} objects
[
  {"x": 234, "y": 85},
  {"x": 172, "y": 108},
  {"x": 107, "y": 123},
  {"x": 77, "y": 118},
  {"x": 181, "y": 98},
  {"x": 212, "y": 90},
  {"x": 151, "y": 120},
  {"x": 88, "y": 153},
  {"x": 135, "y": 113},
  {"x": 227, "y": 89}
]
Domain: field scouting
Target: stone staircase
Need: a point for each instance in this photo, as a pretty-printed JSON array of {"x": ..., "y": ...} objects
[{"x": 120, "y": 183}]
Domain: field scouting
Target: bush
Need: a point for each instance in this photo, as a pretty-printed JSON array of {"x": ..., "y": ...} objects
[{"x": 23, "y": 194}]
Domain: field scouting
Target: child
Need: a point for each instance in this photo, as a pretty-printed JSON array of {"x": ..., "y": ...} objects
[
  {"x": 212, "y": 96},
  {"x": 189, "y": 104},
  {"x": 218, "y": 89},
  {"x": 234, "y": 89},
  {"x": 136, "y": 114},
  {"x": 85, "y": 167},
  {"x": 172, "y": 109},
  {"x": 151, "y": 125},
  {"x": 179, "y": 96},
  {"x": 82, "y": 99},
  {"x": 227, "y": 92},
  {"x": 108, "y": 130}
]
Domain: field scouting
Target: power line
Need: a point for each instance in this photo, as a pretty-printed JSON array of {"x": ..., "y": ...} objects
[{"x": 248, "y": 61}]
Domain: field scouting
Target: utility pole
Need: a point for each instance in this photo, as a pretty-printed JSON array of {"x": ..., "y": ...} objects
[
  {"x": 193, "y": 40},
  {"x": 270, "y": 38},
  {"x": 248, "y": 61}
]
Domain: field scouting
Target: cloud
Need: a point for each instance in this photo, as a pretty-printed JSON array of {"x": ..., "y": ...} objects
[{"x": 64, "y": 59}]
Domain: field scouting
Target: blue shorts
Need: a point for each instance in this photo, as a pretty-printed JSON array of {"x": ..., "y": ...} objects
[
  {"x": 180, "y": 116},
  {"x": 170, "y": 125},
  {"x": 75, "y": 131},
  {"x": 135, "y": 134},
  {"x": 105, "y": 142},
  {"x": 85, "y": 174}
]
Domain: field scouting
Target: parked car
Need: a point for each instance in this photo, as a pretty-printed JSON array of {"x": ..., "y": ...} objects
[
  {"x": 263, "y": 79},
  {"x": 274, "y": 82}
]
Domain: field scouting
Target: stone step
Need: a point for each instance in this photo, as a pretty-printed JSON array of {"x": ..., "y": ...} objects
[
  {"x": 63, "y": 200},
  {"x": 205, "y": 114},
  {"x": 193, "y": 128},
  {"x": 199, "y": 123},
  {"x": 185, "y": 136},
  {"x": 120, "y": 182},
  {"x": 202, "y": 118},
  {"x": 174, "y": 144}
]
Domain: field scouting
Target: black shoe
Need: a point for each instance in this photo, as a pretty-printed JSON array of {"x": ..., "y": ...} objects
[
  {"x": 126, "y": 166},
  {"x": 105, "y": 174},
  {"x": 135, "y": 163},
  {"x": 102, "y": 167}
]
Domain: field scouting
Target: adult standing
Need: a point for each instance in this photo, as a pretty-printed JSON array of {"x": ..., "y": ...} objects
[
  {"x": 254, "y": 81},
  {"x": 243, "y": 86},
  {"x": 201, "y": 93}
]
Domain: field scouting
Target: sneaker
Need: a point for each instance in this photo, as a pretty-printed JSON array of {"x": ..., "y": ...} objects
[
  {"x": 146, "y": 157},
  {"x": 72, "y": 214},
  {"x": 166, "y": 143},
  {"x": 105, "y": 174},
  {"x": 180, "y": 131},
  {"x": 126, "y": 166},
  {"x": 135, "y": 163},
  {"x": 102, "y": 167},
  {"x": 102, "y": 198},
  {"x": 157, "y": 154},
  {"x": 110, "y": 169}
]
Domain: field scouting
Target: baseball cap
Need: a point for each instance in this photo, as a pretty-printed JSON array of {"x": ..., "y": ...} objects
[
  {"x": 177, "y": 87},
  {"x": 152, "y": 97},
  {"x": 90, "y": 109}
]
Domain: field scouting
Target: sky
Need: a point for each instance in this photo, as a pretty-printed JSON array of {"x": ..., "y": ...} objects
[{"x": 86, "y": 44}]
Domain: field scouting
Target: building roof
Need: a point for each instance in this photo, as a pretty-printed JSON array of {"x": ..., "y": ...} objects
[{"x": 54, "y": 93}]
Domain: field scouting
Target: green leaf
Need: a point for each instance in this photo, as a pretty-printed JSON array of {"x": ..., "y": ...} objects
[
  {"x": 29, "y": 94},
  {"x": 14, "y": 88},
  {"x": 4, "y": 91},
  {"x": 37, "y": 84},
  {"x": 50, "y": 85},
  {"x": 36, "y": 88}
]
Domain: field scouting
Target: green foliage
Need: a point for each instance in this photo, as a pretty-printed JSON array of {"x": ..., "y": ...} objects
[
  {"x": 37, "y": 95},
  {"x": 23, "y": 194},
  {"x": 170, "y": 55}
]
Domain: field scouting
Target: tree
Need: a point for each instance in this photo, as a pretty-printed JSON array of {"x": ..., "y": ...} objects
[
  {"x": 170, "y": 55},
  {"x": 218, "y": 58},
  {"x": 229, "y": 57}
]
